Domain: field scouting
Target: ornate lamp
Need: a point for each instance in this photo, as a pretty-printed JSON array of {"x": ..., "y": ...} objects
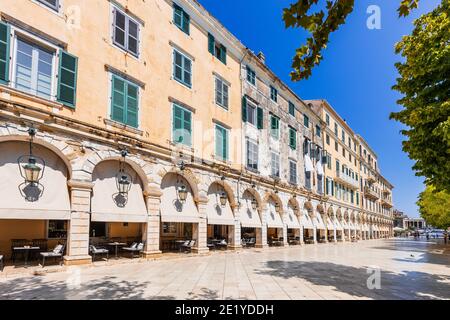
[
  {"x": 223, "y": 199},
  {"x": 254, "y": 204},
  {"x": 31, "y": 169},
  {"x": 182, "y": 193},
  {"x": 123, "y": 179}
]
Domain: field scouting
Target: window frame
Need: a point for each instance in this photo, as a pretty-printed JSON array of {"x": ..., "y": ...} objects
[
  {"x": 248, "y": 142},
  {"x": 272, "y": 162},
  {"x": 252, "y": 74},
  {"x": 182, "y": 18},
  {"x": 19, "y": 34},
  {"x": 292, "y": 144},
  {"x": 306, "y": 121},
  {"x": 56, "y": 8},
  {"x": 183, "y": 56},
  {"x": 277, "y": 136},
  {"x": 291, "y": 108},
  {"x": 293, "y": 162},
  {"x": 273, "y": 94},
  {"x": 224, "y": 84},
  {"x": 128, "y": 17}
]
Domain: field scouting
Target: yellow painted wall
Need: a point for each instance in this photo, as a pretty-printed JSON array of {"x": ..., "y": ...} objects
[
  {"x": 119, "y": 230},
  {"x": 90, "y": 40},
  {"x": 20, "y": 229}
]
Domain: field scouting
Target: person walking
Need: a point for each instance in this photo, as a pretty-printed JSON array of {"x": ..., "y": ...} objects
[{"x": 445, "y": 236}]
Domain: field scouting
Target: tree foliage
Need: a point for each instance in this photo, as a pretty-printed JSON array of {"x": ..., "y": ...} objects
[
  {"x": 424, "y": 83},
  {"x": 320, "y": 25},
  {"x": 434, "y": 207}
]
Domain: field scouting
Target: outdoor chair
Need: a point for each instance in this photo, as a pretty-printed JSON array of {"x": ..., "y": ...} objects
[
  {"x": 187, "y": 246},
  {"x": 184, "y": 245},
  {"x": 135, "y": 248},
  {"x": 94, "y": 251},
  {"x": 222, "y": 244},
  {"x": 58, "y": 252},
  {"x": 1, "y": 263},
  {"x": 251, "y": 242},
  {"x": 210, "y": 245},
  {"x": 42, "y": 244}
]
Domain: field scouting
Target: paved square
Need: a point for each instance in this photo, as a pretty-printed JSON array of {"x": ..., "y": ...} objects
[{"x": 410, "y": 269}]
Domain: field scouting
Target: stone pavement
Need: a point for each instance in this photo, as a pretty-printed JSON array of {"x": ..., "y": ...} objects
[{"x": 410, "y": 269}]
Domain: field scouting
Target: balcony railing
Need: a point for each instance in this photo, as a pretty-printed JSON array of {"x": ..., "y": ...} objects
[
  {"x": 371, "y": 194},
  {"x": 347, "y": 180},
  {"x": 386, "y": 203}
]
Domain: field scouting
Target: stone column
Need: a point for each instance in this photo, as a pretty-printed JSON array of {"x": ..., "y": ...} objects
[
  {"x": 234, "y": 236},
  {"x": 315, "y": 235},
  {"x": 285, "y": 235},
  {"x": 301, "y": 235},
  {"x": 200, "y": 230},
  {"x": 77, "y": 246},
  {"x": 152, "y": 228},
  {"x": 261, "y": 233}
]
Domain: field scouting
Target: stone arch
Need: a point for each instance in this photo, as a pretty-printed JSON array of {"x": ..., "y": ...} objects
[
  {"x": 228, "y": 191},
  {"x": 256, "y": 195},
  {"x": 320, "y": 209},
  {"x": 135, "y": 163},
  {"x": 191, "y": 183},
  {"x": 60, "y": 148},
  {"x": 293, "y": 202},
  {"x": 330, "y": 212},
  {"x": 275, "y": 197}
]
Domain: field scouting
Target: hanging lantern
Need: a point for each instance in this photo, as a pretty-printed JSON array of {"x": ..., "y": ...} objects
[
  {"x": 123, "y": 179},
  {"x": 182, "y": 193},
  {"x": 223, "y": 199},
  {"x": 277, "y": 207},
  {"x": 254, "y": 204},
  {"x": 31, "y": 169}
]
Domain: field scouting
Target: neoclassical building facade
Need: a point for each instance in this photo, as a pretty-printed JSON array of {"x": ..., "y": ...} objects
[{"x": 150, "y": 122}]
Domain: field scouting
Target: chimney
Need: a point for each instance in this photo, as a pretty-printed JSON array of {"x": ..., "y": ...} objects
[{"x": 261, "y": 57}]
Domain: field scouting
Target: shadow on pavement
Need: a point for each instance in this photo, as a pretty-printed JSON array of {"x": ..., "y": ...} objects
[{"x": 351, "y": 280}]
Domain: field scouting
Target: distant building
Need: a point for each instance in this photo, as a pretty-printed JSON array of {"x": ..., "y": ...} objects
[
  {"x": 399, "y": 219},
  {"x": 414, "y": 223}
]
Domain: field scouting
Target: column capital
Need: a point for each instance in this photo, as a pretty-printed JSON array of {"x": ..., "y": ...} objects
[{"x": 80, "y": 184}]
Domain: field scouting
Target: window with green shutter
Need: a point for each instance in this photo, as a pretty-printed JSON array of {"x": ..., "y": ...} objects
[
  {"x": 306, "y": 120},
  {"x": 4, "y": 52},
  {"x": 216, "y": 49},
  {"x": 273, "y": 94},
  {"x": 221, "y": 142},
  {"x": 124, "y": 101},
  {"x": 251, "y": 76},
  {"x": 291, "y": 109},
  {"x": 181, "y": 125},
  {"x": 259, "y": 118},
  {"x": 292, "y": 138},
  {"x": 275, "y": 126},
  {"x": 67, "y": 78},
  {"x": 181, "y": 19}
]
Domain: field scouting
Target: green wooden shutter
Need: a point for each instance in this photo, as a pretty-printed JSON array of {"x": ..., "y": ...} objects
[
  {"x": 211, "y": 43},
  {"x": 186, "y": 22},
  {"x": 223, "y": 54},
  {"x": 67, "y": 78},
  {"x": 118, "y": 100},
  {"x": 4, "y": 52},
  {"x": 244, "y": 109},
  {"x": 132, "y": 105},
  {"x": 225, "y": 144},
  {"x": 260, "y": 118}
]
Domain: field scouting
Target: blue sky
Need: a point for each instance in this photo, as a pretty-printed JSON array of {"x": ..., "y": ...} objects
[{"x": 355, "y": 76}]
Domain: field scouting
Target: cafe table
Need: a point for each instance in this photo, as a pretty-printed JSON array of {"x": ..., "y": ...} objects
[
  {"x": 116, "y": 245},
  {"x": 26, "y": 250}
]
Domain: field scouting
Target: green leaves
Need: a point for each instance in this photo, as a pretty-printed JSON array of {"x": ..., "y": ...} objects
[
  {"x": 320, "y": 24},
  {"x": 434, "y": 207},
  {"x": 424, "y": 83}
]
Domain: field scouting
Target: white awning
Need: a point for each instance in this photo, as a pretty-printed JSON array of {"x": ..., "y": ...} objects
[
  {"x": 216, "y": 213},
  {"x": 249, "y": 218},
  {"x": 319, "y": 168},
  {"x": 107, "y": 205},
  {"x": 273, "y": 217},
  {"x": 344, "y": 224},
  {"x": 292, "y": 219},
  {"x": 172, "y": 210},
  {"x": 54, "y": 202},
  {"x": 305, "y": 221},
  {"x": 366, "y": 227},
  {"x": 351, "y": 225},
  {"x": 330, "y": 224},
  {"x": 318, "y": 222},
  {"x": 308, "y": 163},
  {"x": 338, "y": 225}
]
